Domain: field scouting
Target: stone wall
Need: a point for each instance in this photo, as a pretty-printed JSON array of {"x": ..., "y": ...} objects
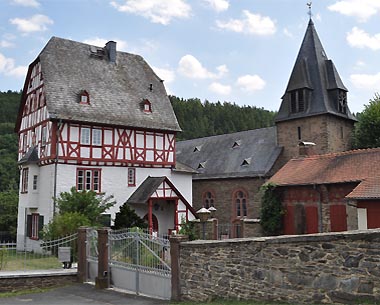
[
  {"x": 18, "y": 282},
  {"x": 319, "y": 268}
]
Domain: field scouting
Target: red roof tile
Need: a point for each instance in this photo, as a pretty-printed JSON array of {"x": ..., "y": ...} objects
[
  {"x": 349, "y": 166},
  {"x": 367, "y": 189}
]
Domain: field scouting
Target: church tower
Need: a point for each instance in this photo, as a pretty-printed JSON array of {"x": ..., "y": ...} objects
[{"x": 314, "y": 107}]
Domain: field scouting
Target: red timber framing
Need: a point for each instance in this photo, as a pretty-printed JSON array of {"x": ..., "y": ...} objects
[
  {"x": 32, "y": 124},
  {"x": 167, "y": 191},
  {"x": 119, "y": 146}
]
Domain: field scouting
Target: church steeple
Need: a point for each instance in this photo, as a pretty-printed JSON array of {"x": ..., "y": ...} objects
[
  {"x": 315, "y": 86},
  {"x": 314, "y": 107}
]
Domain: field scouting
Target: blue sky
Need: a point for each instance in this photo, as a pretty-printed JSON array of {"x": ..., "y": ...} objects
[{"x": 241, "y": 51}]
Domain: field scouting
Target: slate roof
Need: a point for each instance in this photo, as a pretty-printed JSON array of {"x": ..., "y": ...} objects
[
  {"x": 313, "y": 70},
  {"x": 31, "y": 156},
  {"x": 362, "y": 166},
  {"x": 116, "y": 90},
  {"x": 250, "y": 153}
]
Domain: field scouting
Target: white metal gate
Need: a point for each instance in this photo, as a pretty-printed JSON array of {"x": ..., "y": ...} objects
[
  {"x": 139, "y": 262},
  {"x": 91, "y": 255}
]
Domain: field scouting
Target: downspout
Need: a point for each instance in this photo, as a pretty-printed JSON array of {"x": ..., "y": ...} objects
[
  {"x": 320, "y": 218},
  {"x": 56, "y": 166}
]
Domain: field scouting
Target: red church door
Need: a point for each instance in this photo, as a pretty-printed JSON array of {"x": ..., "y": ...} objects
[{"x": 311, "y": 213}]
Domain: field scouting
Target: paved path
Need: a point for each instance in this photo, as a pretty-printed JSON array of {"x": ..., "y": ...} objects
[{"x": 79, "y": 294}]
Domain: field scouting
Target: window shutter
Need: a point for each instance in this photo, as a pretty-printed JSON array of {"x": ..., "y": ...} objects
[
  {"x": 40, "y": 224},
  {"x": 29, "y": 225}
]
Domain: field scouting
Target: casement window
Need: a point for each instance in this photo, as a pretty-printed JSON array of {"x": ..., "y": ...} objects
[
  {"x": 208, "y": 199},
  {"x": 91, "y": 136},
  {"x": 43, "y": 135},
  {"x": 147, "y": 106},
  {"x": 34, "y": 224},
  {"x": 84, "y": 97},
  {"x": 297, "y": 101},
  {"x": 88, "y": 180},
  {"x": 97, "y": 137},
  {"x": 24, "y": 142},
  {"x": 85, "y": 136},
  {"x": 240, "y": 203},
  {"x": 35, "y": 182},
  {"x": 24, "y": 180},
  {"x": 131, "y": 177}
]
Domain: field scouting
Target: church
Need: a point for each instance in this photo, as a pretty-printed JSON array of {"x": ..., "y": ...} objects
[{"x": 313, "y": 119}]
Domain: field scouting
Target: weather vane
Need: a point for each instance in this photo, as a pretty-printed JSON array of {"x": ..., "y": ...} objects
[{"x": 309, "y": 4}]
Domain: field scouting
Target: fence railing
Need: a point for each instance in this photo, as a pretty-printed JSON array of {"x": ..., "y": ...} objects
[{"x": 40, "y": 255}]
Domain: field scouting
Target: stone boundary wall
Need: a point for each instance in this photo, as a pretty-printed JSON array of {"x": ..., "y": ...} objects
[
  {"x": 320, "y": 268},
  {"x": 14, "y": 283}
]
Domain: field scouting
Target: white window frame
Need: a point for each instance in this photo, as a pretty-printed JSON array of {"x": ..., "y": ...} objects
[
  {"x": 88, "y": 179},
  {"x": 97, "y": 137},
  {"x": 85, "y": 136},
  {"x": 131, "y": 176},
  {"x": 43, "y": 135}
]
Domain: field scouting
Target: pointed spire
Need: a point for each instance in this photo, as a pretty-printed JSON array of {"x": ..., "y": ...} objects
[{"x": 314, "y": 84}]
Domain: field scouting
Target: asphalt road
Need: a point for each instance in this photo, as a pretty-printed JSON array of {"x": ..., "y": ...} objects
[{"x": 79, "y": 294}]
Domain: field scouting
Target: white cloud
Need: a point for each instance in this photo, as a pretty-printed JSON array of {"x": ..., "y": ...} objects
[
  {"x": 360, "y": 9},
  {"x": 218, "y": 5},
  {"x": 37, "y": 23},
  {"x": 360, "y": 39},
  {"x": 366, "y": 81},
  {"x": 190, "y": 67},
  {"x": 288, "y": 33},
  {"x": 251, "y": 83},
  {"x": 254, "y": 24},
  {"x": 219, "y": 88},
  {"x": 165, "y": 74},
  {"x": 7, "y": 67},
  {"x": 121, "y": 45},
  {"x": 156, "y": 11},
  {"x": 32, "y": 3},
  {"x": 6, "y": 44}
]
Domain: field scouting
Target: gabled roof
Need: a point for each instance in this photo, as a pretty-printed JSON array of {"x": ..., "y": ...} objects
[
  {"x": 220, "y": 157},
  {"x": 149, "y": 186},
  {"x": 116, "y": 89},
  {"x": 314, "y": 71},
  {"x": 362, "y": 166}
]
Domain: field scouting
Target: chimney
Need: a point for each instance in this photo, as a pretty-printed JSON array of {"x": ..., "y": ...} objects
[
  {"x": 306, "y": 149},
  {"x": 111, "y": 51}
]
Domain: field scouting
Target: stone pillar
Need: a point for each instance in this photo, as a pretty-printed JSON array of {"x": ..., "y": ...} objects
[
  {"x": 251, "y": 228},
  {"x": 82, "y": 254},
  {"x": 175, "y": 241},
  {"x": 101, "y": 281},
  {"x": 210, "y": 226}
]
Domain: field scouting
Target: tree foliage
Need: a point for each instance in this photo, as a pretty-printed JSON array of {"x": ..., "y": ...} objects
[
  {"x": 199, "y": 119},
  {"x": 271, "y": 210},
  {"x": 127, "y": 218},
  {"x": 367, "y": 130},
  {"x": 87, "y": 203},
  {"x": 8, "y": 214}
]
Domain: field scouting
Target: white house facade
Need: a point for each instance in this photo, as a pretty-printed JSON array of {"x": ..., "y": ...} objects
[{"x": 98, "y": 119}]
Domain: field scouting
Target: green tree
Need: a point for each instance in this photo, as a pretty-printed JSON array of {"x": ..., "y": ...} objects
[
  {"x": 88, "y": 203},
  {"x": 127, "y": 218},
  {"x": 64, "y": 224},
  {"x": 271, "y": 210},
  {"x": 8, "y": 214},
  {"x": 367, "y": 130}
]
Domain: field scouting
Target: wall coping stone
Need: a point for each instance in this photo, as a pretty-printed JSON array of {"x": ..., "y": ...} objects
[
  {"x": 36, "y": 273},
  {"x": 285, "y": 239}
]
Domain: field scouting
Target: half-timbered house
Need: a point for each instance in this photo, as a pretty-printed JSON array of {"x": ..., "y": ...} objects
[{"x": 98, "y": 119}]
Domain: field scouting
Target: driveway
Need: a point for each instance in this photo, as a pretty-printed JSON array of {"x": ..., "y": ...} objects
[{"x": 79, "y": 294}]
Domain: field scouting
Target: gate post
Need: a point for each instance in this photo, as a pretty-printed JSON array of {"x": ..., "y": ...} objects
[
  {"x": 175, "y": 241},
  {"x": 82, "y": 254},
  {"x": 101, "y": 281}
]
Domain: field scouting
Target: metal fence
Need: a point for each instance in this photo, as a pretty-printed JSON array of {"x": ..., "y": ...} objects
[
  {"x": 227, "y": 231},
  {"x": 42, "y": 255}
]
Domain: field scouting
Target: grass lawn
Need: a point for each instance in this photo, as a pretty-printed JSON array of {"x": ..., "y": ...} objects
[{"x": 13, "y": 261}]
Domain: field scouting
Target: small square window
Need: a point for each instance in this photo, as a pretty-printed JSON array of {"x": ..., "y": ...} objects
[{"x": 35, "y": 182}]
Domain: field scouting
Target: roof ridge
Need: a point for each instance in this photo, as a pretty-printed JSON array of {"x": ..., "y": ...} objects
[{"x": 342, "y": 153}]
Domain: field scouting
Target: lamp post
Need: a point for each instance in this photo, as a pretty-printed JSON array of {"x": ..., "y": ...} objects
[{"x": 203, "y": 215}]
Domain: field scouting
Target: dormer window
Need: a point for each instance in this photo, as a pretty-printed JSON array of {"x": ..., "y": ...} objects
[
  {"x": 147, "y": 106},
  {"x": 236, "y": 144},
  {"x": 342, "y": 101},
  {"x": 297, "y": 101},
  {"x": 246, "y": 162},
  {"x": 84, "y": 97},
  {"x": 202, "y": 165},
  {"x": 197, "y": 148}
]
